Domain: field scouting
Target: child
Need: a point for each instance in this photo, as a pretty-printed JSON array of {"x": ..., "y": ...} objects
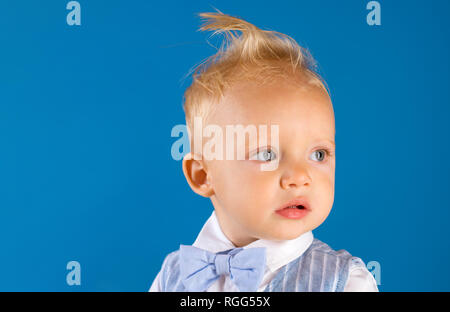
[{"x": 259, "y": 237}]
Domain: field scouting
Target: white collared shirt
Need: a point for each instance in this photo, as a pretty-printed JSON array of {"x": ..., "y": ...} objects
[{"x": 278, "y": 254}]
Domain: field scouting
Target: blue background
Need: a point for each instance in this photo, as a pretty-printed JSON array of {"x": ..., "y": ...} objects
[{"x": 86, "y": 113}]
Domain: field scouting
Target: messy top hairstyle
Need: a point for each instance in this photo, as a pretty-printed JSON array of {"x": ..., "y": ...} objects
[{"x": 256, "y": 55}]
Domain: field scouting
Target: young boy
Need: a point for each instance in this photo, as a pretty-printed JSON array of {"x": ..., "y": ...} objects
[{"x": 259, "y": 237}]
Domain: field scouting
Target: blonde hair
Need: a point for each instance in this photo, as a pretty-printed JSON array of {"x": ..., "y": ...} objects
[{"x": 257, "y": 55}]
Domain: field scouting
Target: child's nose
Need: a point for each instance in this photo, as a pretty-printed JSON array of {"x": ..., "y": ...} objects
[{"x": 295, "y": 177}]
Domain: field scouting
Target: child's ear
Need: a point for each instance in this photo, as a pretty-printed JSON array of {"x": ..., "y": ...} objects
[{"x": 196, "y": 176}]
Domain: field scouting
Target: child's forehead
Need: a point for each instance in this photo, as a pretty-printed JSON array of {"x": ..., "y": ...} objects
[{"x": 274, "y": 103}]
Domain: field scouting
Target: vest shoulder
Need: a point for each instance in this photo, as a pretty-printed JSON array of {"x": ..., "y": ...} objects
[
  {"x": 318, "y": 246},
  {"x": 319, "y": 268}
]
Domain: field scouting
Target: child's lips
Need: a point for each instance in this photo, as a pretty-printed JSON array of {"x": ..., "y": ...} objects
[{"x": 296, "y": 208}]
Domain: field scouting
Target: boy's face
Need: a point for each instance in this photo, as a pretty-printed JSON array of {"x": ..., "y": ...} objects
[{"x": 247, "y": 199}]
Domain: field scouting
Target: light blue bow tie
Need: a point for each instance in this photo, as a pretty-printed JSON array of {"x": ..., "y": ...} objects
[{"x": 200, "y": 268}]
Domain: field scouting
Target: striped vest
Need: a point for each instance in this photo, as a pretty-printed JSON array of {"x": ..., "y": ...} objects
[{"x": 319, "y": 268}]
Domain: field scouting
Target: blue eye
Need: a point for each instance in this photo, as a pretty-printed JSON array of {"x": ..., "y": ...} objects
[
  {"x": 320, "y": 154},
  {"x": 265, "y": 155}
]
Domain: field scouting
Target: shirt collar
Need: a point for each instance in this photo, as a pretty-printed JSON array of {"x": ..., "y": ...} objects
[{"x": 278, "y": 252}]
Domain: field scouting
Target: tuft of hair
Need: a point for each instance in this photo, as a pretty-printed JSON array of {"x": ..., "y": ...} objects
[{"x": 256, "y": 55}]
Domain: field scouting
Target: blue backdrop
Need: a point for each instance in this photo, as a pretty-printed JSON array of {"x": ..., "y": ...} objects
[{"x": 86, "y": 114}]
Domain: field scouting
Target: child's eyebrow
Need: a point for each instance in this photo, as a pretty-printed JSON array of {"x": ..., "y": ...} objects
[{"x": 331, "y": 142}]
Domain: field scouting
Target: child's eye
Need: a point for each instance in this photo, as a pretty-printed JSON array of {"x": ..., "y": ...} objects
[
  {"x": 320, "y": 155},
  {"x": 264, "y": 155}
]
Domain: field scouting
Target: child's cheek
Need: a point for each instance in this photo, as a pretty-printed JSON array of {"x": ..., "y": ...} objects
[
  {"x": 247, "y": 183},
  {"x": 326, "y": 170},
  {"x": 323, "y": 183}
]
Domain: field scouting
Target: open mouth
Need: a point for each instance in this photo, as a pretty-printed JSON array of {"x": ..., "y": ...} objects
[{"x": 296, "y": 208}]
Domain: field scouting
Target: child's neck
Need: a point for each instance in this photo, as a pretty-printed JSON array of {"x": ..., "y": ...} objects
[{"x": 230, "y": 231}]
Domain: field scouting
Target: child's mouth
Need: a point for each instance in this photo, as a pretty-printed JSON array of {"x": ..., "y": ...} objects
[
  {"x": 298, "y": 207},
  {"x": 294, "y": 209}
]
